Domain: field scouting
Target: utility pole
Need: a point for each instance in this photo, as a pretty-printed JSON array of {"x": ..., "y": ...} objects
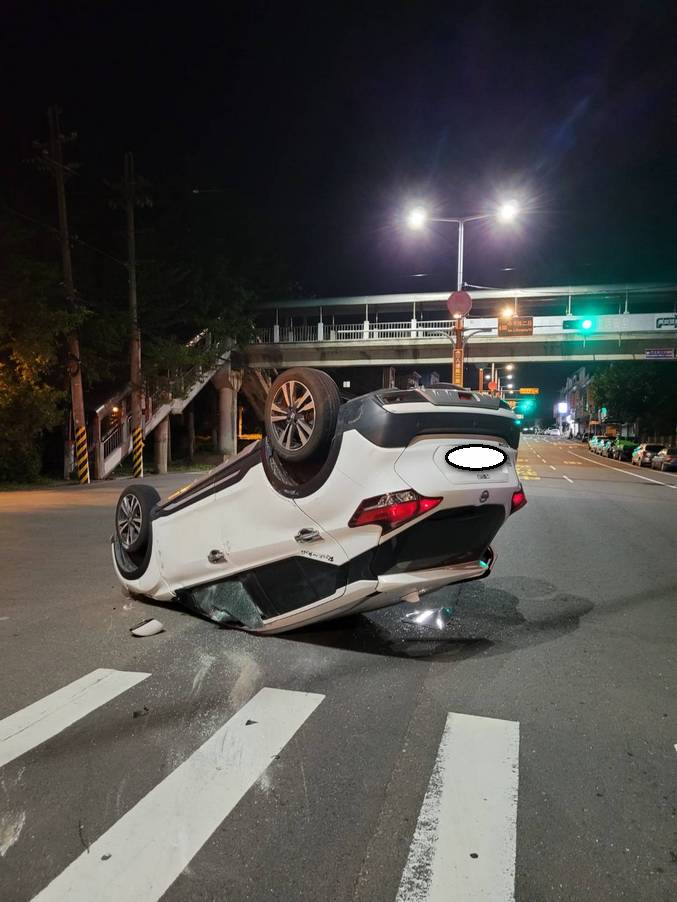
[
  {"x": 129, "y": 188},
  {"x": 54, "y": 159}
]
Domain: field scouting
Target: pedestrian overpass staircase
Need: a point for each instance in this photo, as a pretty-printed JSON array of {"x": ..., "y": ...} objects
[{"x": 171, "y": 395}]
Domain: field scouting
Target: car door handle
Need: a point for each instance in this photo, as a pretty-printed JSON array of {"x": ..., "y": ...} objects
[{"x": 307, "y": 535}]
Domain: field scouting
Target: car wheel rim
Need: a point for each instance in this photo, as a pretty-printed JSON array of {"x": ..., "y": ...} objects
[
  {"x": 292, "y": 415},
  {"x": 130, "y": 518}
]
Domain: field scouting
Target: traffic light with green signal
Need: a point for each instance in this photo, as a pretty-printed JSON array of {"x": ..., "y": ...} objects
[
  {"x": 526, "y": 405},
  {"x": 581, "y": 324}
]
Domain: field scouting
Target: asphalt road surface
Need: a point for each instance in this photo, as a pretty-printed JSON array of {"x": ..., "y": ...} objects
[{"x": 529, "y": 747}]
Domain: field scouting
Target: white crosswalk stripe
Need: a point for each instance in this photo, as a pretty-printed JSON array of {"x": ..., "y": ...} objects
[
  {"x": 465, "y": 838},
  {"x": 142, "y": 854},
  {"x": 22, "y": 731},
  {"x": 463, "y": 846}
]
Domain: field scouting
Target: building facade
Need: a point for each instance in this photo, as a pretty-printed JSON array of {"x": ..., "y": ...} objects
[{"x": 577, "y": 392}]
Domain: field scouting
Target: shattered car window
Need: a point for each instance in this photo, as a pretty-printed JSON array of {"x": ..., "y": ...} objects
[{"x": 226, "y": 601}]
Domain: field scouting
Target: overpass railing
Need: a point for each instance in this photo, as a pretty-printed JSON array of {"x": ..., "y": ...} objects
[
  {"x": 351, "y": 332},
  {"x": 430, "y": 329}
]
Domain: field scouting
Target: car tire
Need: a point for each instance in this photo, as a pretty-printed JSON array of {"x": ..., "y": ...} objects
[
  {"x": 132, "y": 517},
  {"x": 301, "y": 413},
  {"x": 335, "y": 400}
]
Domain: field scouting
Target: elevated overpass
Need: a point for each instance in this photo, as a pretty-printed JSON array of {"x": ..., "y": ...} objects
[{"x": 384, "y": 330}]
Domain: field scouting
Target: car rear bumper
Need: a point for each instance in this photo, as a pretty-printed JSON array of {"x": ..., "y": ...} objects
[
  {"x": 391, "y": 587},
  {"x": 390, "y": 590}
]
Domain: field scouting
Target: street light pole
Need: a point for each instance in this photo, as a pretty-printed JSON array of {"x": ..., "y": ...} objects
[
  {"x": 459, "y": 277},
  {"x": 416, "y": 220},
  {"x": 459, "y": 349}
]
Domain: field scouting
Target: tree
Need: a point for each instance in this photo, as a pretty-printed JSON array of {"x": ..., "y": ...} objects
[
  {"x": 33, "y": 380},
  {"x": 639, "y": 392}
]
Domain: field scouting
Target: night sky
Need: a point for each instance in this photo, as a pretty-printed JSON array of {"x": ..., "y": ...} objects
[{"x": 318, "y": 124}]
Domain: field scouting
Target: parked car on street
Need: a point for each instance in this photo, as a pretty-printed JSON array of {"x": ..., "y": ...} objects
[
  {"x": 666, "y": 459},
  {"x": 597, "y": 442},
  {"x": 644, "y": 453},
  {"x": 604, "y": 446},
  {"x": 623, "y": 447},
  {"x": 339, "y": 508}
]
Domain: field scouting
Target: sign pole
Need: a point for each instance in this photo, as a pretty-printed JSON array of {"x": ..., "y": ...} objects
[
  {"x": 458, "y": 305},
  {"x": 458, "y": 353}
]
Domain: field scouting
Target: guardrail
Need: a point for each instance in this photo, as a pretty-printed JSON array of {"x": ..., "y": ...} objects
[
  {"x": 353, "y": 332},
  {"x": 112, "y": 440},
  {"x": 612, "y": 324}
]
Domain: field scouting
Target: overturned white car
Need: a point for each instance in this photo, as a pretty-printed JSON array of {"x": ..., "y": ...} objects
[{"x": 341, "y": 508}]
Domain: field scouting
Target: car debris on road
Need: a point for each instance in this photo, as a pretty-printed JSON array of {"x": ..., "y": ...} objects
[{"x": 147, "y": 628}]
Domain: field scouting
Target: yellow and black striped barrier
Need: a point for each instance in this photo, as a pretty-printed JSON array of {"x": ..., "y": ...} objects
[
  {"x": 137, "y": 452},
  {"x": 81, "y": 455}
]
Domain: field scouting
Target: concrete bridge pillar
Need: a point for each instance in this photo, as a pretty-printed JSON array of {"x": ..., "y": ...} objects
[
  {"x": 227, "y": 383},
  {"x": 189, "y": 417},
  {"x": 161, "y": 442}
]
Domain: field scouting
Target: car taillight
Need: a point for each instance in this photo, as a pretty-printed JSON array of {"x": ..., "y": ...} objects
[
  {"x": 392, "y": 510},
  {"x": 519, "y": 499}
]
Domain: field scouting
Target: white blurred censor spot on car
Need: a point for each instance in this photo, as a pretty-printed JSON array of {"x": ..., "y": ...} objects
[{"x": 475, "y": 457}]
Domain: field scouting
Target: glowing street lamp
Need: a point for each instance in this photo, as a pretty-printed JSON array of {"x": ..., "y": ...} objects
[
  {"x": 496, "y": 376},
  {"x": 417, "y": 218},
  {"x": 508, "y": 211}
]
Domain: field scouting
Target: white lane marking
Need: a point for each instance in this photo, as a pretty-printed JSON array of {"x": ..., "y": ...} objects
[
  {"x": 465, "y": 838},
  {"x": 567, "y": 479},
  {"x": 627, "y": 472},
  {"x": 552, "y": 468},
  {"x": 22, "y": 731},
  {"x": 146, "y": 850}
]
